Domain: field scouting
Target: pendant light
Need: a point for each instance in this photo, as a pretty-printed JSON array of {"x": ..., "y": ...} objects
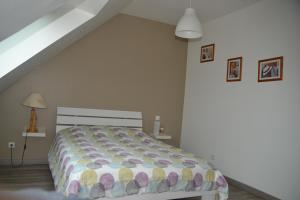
[{"x": 189, "y": 25}]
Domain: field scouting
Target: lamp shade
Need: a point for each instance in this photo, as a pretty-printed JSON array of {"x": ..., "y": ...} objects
[
  {"x": 35, "y": 100},
  {"x": 189, "y": 25}
]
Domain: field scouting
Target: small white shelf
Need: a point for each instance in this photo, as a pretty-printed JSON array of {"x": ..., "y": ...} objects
[
  {"x": 34, "y": 134},
  {"x": 162, "y": 137},
  {"x": 41, "y": 132}
]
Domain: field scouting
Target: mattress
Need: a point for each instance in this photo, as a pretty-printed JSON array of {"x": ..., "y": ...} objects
[{"x": 96, "y": 162}]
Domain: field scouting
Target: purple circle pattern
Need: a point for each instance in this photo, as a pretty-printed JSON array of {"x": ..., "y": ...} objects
[
  {"x": 198, "y": 180},
  {"x": 221, "y": 182},
  {"x": 74, "y": 187},
  {"x": 135, "y": 161},
  {"x": 142, "y": 179},
  {"x": 69, "y": 170},
  {"x": 172, "y": 179},
  {"x": 107, "y": 180},
  {"x": 102, "y": 162}
]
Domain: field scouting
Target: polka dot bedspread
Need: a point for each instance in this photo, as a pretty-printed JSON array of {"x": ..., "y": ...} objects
[{"x": 99, "y": 161}]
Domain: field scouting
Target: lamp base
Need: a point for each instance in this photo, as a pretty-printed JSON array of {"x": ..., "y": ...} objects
[
  {"x": 32, "y": 124},
  {"x": 31, "y": 130}
]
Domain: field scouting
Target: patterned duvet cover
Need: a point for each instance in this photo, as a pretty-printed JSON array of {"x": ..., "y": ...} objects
[{"x": 95, "y": 162}]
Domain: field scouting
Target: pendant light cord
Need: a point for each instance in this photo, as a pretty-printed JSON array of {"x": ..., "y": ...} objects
[{"x": 190, "y": 3}]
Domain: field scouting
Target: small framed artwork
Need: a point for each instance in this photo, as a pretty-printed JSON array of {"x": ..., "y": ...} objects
[
  {"x": 207, "y": 53},
  {"x": 234, "y": 69},
  {"x": 270, "y": 69}
]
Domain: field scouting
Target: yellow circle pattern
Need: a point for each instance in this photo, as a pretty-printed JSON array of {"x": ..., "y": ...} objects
[
  {"x": 210, "y": 175},
  {"x": 88, "y": 177},
  {"x": 158, "y": 174},
  {"x": 125, "y": 175},
  {"x": 187, "y": 174},
  {"x": 84, "y": 161}
]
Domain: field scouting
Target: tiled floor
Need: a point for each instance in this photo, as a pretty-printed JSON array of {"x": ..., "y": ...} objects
[{"x": 39, "y": 176}]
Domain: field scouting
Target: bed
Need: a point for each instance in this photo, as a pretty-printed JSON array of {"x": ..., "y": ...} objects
[{"x": 104, "y": 154}]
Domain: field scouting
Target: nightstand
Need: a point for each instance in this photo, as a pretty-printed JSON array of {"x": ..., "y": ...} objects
[
  {"x": 162, "y": 136},
  {"x": 41, "y": 132}
]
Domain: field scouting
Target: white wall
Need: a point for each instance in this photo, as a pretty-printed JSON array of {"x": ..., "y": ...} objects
[{"x": 252, "y": 128}]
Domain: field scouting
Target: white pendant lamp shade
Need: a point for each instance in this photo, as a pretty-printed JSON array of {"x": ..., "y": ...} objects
[{"x": 189, "y": 25}]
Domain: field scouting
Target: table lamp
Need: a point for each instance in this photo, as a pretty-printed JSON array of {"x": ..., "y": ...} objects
[{"x": 34, "y": 100}]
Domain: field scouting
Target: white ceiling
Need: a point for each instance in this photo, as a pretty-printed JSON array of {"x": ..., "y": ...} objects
[
  {"x": 16, "y": 14},
  {"x": 169, "y": 11}
]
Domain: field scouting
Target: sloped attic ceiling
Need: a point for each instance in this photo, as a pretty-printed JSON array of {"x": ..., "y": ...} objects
[
  {"x": 22, "y": 13},
  {"x": 50, "y": 34}
]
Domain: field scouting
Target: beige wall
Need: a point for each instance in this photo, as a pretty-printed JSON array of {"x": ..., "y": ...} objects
[{"x": 128, "y": 63}]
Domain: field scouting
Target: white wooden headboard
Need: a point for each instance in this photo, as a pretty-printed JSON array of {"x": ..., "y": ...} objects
[{"x": 68, "y": 117}]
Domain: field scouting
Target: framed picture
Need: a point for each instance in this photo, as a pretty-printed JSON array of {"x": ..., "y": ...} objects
[
  {"x": 207, "y": 53},
  {"x": 270, "y": 69},
  {"x": 234, "y": 69}
]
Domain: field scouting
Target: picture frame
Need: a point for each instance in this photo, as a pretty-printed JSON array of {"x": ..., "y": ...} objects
[
  {"x": 207, "y": 53},
  {"x": 234, "y": 69},
  {"x": 270, "y": 69}
]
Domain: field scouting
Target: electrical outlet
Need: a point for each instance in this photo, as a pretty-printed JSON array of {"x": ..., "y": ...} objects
[{"x": 11, "y": 145}]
